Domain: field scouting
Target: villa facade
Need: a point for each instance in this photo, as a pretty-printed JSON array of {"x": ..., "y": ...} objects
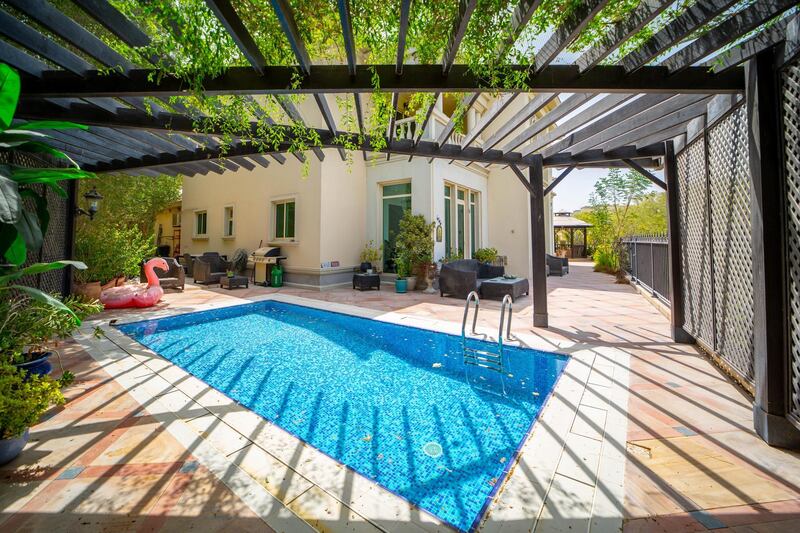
[{"x": 322, "y": 216}]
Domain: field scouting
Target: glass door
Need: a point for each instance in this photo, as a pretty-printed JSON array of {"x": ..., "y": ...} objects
[
  {"x": 461, "y": 219},
  {"x": 396, "y": 200}
]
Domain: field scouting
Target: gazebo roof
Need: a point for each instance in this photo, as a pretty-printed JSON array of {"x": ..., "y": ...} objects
[{"x": 566, "y": 221}]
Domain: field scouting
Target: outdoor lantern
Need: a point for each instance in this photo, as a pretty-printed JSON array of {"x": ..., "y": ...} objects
[
  {"x": 93, "y": 199},
  {"x": 438, "y": 230}
]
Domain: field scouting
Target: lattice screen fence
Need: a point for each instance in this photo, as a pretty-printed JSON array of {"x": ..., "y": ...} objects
[
  {"x": 791, "y": 136},
  {"x": 58, "y": 237},
  {"x": 716, "y": 254}
]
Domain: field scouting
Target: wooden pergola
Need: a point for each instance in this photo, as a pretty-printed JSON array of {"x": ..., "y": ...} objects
[{"x": 628, "y": 113}]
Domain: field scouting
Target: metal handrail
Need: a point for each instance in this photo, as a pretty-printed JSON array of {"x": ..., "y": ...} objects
[
  {"x": 506, "y": 301},
  {"x": 471, "y": 296}
]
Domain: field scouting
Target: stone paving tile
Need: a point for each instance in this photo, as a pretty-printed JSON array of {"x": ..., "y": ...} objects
[{"x": 138, "y": 479}]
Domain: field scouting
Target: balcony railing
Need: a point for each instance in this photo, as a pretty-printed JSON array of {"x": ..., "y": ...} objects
[{"x": 408, "y": 128}]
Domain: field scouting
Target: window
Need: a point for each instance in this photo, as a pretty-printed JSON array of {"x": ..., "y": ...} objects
[
  {"x": 176, "y": 219},
  {"x": 473, "y": 215},
  {"x": 461, "y": 221},
  {"x": 227, "y": 217},
  {"x": 396, "y": 201},
  {"x": 284, "y": 219},
  {"x": 448, "y": 220},
  {"x": 200, "y": 223}
]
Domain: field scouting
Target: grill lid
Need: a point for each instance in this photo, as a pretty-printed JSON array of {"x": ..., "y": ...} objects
[{"x": 267, "y": 251}]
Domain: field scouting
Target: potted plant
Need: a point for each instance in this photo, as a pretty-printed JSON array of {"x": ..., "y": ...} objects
[
  {"x": 30, "y": 330},
  {"x": 401, "y": 283},
  {"x": 415, "y": 244},
  {"x": 371, "y": 257},
  {"x": 25, "y": 398},
  {"x": 485, "y": 255}
]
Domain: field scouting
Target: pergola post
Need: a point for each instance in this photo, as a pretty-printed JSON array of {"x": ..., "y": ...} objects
[
  {"x": 585, "y": 243},
  {"x": 677, "y": 316},
  {"x": 770, "y": 340},
  {"x": 538, "y": 274}
]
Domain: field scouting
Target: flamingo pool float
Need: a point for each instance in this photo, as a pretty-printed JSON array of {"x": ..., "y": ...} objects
[{"x": 139, "y": 295}]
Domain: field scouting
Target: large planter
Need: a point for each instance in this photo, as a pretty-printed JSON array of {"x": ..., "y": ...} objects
[
  {"x": 400, "y": 286},
  {"x": 412, "y": 282},
  {"x": 11, "y": 448},
  {"x": 40, "y": 366},
  {"x": 89, "y": 290}
]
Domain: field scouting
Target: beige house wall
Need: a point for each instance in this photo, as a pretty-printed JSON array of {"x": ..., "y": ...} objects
[
  {"x": 164, "y": 222},
  {"x": 251, "y": 193}
]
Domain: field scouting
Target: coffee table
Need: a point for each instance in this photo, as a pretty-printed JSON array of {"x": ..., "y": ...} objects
[
  {"x": 234, "y": 282},
  {"x": 496, "y": 288},
  {"x": 366, "y": 281}
]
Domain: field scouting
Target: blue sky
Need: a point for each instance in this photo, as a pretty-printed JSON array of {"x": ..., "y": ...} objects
[{"x": 573, "y": 193}]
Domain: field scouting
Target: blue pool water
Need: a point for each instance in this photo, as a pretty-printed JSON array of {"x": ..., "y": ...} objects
[{"x": 395, "y": 403}]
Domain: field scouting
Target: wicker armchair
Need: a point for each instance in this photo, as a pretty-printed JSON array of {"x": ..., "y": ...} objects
[
  {"x": 459, "y": 278},
  {"x": 188, "y": 264},
  {"x": 174, "y": 278},
  {"x": 558, "y": 265},
  {"x": 209, "y": 268}
]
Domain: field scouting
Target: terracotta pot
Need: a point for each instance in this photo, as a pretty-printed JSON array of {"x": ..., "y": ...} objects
[
  {"x": 411, "y": 282},
  {"x": 89, "y": 290}
]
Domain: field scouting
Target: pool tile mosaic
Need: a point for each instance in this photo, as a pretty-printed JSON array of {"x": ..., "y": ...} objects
[{"x": 394, "y": 403}]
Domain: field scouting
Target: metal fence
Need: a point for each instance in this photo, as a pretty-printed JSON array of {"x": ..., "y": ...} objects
[{"x": 645, "y": 258}]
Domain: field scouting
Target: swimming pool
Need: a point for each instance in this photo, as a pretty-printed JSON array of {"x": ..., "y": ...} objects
[{"x": 394, "y": 403}]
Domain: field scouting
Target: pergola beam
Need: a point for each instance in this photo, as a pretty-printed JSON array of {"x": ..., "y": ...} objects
[
  {"x": 731, "y": 29},
  {"x": 646, "y": 173},
  {"x": 416, "y": 78},
  {"x": 54, "y": 20},
  {"x": 645, "y": 12},
  {"x": 597, "y": 109},
  {"x": 228, "y": 17},
  {"x": 568, "y": 31},
  {"x": 751, "y": 47},
  {"x": 558, "y": 180},
  {"x": 134, "y": 119},
  {"x": 695, "y": 16}
]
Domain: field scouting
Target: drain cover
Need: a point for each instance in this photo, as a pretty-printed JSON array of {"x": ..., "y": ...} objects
[{"x": 432, "y": 449}]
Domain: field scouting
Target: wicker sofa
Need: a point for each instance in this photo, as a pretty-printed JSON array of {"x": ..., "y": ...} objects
[
  {"x": 209, "y": 268},
  {"x": 174, "y": 278},
  {"x": 459, "y": 278},
  {"x": 558, "y": 266}
]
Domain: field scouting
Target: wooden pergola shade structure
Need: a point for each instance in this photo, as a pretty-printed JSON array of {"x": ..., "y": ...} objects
[{"x": 621, "y": 114}]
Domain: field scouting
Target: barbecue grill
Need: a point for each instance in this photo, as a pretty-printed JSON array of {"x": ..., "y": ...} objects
[{"x": 263, "y": 260}]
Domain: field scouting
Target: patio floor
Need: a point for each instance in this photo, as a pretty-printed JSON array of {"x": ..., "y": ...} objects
[{"x": 693, "y": 462}]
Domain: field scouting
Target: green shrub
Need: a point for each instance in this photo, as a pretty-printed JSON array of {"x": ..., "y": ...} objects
[
  {"x": 485, "y": 255},
  {"x": 415, "y": 240},
  {"x": 23, "y": 399},
  {"x": 111, "y": 251},
  {"x": 606, "y": 259},
  {"x": 371, "y": 254}
]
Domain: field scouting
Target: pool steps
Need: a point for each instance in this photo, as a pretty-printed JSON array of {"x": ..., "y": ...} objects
[{"x": 485, "y": 358}]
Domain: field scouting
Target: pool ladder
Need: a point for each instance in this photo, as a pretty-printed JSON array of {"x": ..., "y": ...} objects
[{"x": 485, "y": 358}]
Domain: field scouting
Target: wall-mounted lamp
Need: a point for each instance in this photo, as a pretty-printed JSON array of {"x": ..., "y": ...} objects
[
  {"x": 438, "y": 230},
  {"x": 93, "y": 199}
]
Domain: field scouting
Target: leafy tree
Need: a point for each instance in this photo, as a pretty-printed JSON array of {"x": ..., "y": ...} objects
[
  {"x": 121, "y": 234},
  {"x": 131, "y": 201},
  {"x": 617, "y": 197}
]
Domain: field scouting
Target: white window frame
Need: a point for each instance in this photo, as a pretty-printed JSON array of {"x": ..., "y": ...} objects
[
  {"x": 196, "y": 235},
  {"x": 225, "y": 220},
  {"x": 176, "y": 219},
  {"x": 274, "y": 203}
]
